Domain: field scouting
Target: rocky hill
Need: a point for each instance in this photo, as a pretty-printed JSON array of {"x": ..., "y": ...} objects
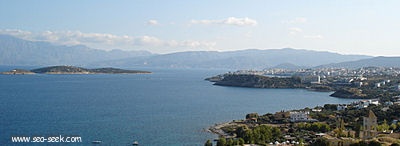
[{"x": 258, "y": 81}]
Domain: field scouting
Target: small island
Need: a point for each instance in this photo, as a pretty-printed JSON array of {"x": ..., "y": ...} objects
[{"x": 73, "y": 70}]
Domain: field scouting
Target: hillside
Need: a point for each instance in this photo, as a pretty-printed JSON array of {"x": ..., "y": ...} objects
[
  {"x": 244, "y": 59},
  {"x": 370, "y": 62},
  {"x": 18, "y": 52},
  {"x": 256, "y": 81}
]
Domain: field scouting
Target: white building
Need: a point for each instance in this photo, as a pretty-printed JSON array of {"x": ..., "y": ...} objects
[
  {"x": 375, "y": 101},
  {"x": 341, "y": 107},
  {"x": 316, "y": 109},
  {"x": 299, "y": 116},
  {"x": 366, "y": 103},
  {"x": 377, "y": 85}
]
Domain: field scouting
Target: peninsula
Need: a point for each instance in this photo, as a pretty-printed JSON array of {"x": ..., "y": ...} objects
[
  {"x": 362, "y": 83},
  {"x": 74, "y": 70}
]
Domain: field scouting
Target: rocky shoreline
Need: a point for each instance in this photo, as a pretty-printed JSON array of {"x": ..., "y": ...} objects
[{"x": 217, "y": 129}]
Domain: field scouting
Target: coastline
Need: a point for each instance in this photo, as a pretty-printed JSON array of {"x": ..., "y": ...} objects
[{"x": 217, "y": 129}]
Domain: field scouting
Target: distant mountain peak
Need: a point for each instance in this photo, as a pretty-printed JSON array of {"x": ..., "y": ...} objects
[{"x": 288, "y": 66}]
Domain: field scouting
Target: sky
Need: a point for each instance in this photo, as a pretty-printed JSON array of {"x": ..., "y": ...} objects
[{"x": 343, "y": 26}]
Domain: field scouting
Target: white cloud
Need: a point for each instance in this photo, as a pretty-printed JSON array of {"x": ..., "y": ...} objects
[
  {"x": 147, "y": 41},
  {"x": 295, "y": 30},
  {"x": 297, "y": 20},
  {"x": 16, "y": 32},
  {"x": 228, "y": 21},
  {"x": 196, "y": 44},
  {"x": 109, "y": 41},
  {"x": 313, "y": 36},
  {"x": 152, "y": 22}
]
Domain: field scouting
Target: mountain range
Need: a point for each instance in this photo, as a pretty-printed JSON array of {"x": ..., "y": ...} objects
[
  {"x": 15, "y": 51},
  {"x": 244, "y": 59},
  {"x": 376, "y": 61},
  {"x": 19, "y": 52}
]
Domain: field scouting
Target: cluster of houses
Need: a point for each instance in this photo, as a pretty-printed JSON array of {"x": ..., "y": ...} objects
[
  {"x": 303, "y": 116},
  {"x": 379, "y": 84}
]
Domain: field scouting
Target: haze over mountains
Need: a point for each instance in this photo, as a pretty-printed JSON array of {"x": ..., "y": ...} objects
[
  {"x": 376, "y": 61},
  {"x": 14, "y": 51},
  {"x": 244, "y": 59},
  {"x": 18, "y": 52}
]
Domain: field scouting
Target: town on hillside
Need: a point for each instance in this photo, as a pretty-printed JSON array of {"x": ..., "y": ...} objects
[
  {"x": 364, "y": 122},
  {"x": 362, "y": 83},
  {"x": 372, "y": 120}
]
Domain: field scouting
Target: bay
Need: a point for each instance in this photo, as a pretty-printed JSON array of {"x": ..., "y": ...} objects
[{"x": 168, "y": 107}]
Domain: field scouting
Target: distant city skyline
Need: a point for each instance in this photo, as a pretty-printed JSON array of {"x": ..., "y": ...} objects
[{"x": 348, "y": 27}]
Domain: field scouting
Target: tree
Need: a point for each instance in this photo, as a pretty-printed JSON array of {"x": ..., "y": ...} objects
[
  {"x": 248, "y": 136},
  {"x": 221, "y": 142},
  {"x": 319, "y": 142},
  {"x": 230, "y": 142},
  {"x": 393, "y": 126},
  {"x": 252, "y": 115},
  {"x": 241, "y": 141},
  {"x": 241, "y": 131},
  {"x": 301, "y": 141},
  {"x": 361, "y": 143},
  {"x": 330, "y": 107},
  {"x": 383, "y": 127},
  {"x": 374, "y": 143},
  {"x": 208, "y": 143}
]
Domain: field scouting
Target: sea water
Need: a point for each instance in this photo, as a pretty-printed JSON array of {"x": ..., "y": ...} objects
[{"x": 167, "y": 107}]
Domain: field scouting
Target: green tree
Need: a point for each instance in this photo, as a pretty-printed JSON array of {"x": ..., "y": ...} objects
[
  {"x": 208, "y": 143},
  {"x": 301, "y": 142},
  {"x": 319, "y": 142},
  {"x": 361, "y": 143},
  {"x": 230, "y": 142},
  {"x": 383, "y": 127},
  {"x": 374, "y": 143},
  {"x": 241, "y": 141},
  {"x": 252, "y": 115},
  {"x": 393, "y": 126},
  {"x": 331, "y": 107},
  {"x": 221, "y": 142},
  {"x": 241, "y": 131},
  {"x": 398, "y": 125}
]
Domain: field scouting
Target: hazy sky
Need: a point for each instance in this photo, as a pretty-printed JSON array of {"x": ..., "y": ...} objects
[{"x": 164, "y": 26}]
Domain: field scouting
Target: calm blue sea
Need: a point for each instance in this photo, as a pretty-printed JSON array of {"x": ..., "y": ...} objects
[{"x": 168, "y": 107}]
